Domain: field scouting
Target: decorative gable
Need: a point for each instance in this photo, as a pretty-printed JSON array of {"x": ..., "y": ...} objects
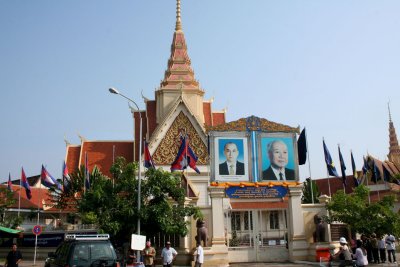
[{"x": 168, "y": 148}]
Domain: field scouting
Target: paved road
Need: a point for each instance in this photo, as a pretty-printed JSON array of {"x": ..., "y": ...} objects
[{"x": 40, "y": 263}]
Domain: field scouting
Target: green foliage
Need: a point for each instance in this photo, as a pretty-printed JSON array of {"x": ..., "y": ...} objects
[
  {"x": 364, "y": 218},
  {"x": 308, "y": 187},
  {"x": 113, "y": 203},
  {"x": 6, "y": 201}
]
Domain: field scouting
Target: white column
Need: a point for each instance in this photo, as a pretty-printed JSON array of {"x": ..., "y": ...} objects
[{"x": 298, "y": 246}]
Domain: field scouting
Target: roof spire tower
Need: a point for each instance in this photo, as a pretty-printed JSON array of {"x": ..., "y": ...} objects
[
  {"x": 178, "y": 25},
  {"x": 179, "y": 80},
  {"x": 394, "y": 148}
]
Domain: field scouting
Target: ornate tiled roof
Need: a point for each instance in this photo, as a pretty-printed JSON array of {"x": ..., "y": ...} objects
[{"x": 254, "y": 123}]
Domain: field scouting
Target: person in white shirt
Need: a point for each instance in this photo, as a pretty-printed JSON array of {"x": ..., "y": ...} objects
[
  {"x": 391, "y": 248},
  {"x": 361, "y": 255},
  {"x": 382, "y": 249},
  {"x": 199, "y": 256},
  {"x": 168, "y": 254}
]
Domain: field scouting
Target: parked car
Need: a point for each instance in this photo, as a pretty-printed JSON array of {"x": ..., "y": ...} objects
[{"x": 93, "y": 250}]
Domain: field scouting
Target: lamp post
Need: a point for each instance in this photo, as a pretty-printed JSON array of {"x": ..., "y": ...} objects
[{"x": 115, "y": 91}]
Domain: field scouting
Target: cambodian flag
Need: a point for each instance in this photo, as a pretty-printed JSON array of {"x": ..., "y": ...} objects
[
  {"x": 25, "y": 184},
  {"x": 66, "y": 178},
  {"x": 48, "y": 180},
  {"x": 148, "y": 161},
  {"x": 185, "y": 157},
  {"x": 9, "y": 184}
]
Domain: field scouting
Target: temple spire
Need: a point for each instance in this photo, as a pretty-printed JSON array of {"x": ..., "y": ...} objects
[
  {"x": 394, "y": 148},
  {"x": 178, "y": 26}
]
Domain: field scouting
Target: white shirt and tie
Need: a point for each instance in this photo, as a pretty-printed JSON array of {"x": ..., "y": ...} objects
[
  {"x": 231, "y": 168},
  {"x": 279, "y": 174}
]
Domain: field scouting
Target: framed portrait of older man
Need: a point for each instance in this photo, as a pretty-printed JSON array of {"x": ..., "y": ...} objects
[
  {"x": 278, "y": 157},
  {"x": 230, "y": 158}
]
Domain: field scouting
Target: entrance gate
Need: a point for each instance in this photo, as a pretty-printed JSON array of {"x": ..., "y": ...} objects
[{"x": 257, "y": 235}]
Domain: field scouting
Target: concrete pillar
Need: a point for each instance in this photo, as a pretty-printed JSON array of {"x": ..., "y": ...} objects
[
  {"x": 217, "y": 255},
  {"x": 298, "y": 245}
]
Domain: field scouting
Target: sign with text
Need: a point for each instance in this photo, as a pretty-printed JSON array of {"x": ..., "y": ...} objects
[
  {"x": 138, "y": 242},
  {"x": 256, "y": 192}
]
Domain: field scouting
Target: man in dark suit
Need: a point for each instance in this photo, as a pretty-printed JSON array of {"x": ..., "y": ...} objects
[
  {"x": 231, "y": 166},
  {"x": 278, "y": 156}
]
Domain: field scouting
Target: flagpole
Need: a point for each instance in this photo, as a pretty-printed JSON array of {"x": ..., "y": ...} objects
[
  {"x": 309, "y": 167},
  {"x": 186, "y": 153},
  {"x": 19, "y": 197},
  {"x": 38, "y": 214},
  {"x": 329, "y": 183}
]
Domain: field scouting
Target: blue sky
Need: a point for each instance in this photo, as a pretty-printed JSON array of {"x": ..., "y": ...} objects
[{"x": 331, "y": 66}]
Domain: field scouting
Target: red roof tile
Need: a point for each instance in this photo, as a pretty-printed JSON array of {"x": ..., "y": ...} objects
[
  {"x": 151, "y": 116},
  {"x": 218, "y": 118},
  {"x": 100, "y": 153},
  {"x": 72, "y": 158},
  {"x": 207, "y": 113}
]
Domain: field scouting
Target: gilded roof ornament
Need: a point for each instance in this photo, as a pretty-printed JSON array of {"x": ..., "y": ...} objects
[
  {"x": 178, "y": 26},
  {"x": 253, "y": 123}
]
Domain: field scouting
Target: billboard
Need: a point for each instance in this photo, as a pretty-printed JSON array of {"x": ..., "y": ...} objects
[{"x": 277, "y": 157}]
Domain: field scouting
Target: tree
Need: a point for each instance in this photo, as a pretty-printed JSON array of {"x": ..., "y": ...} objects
[
  {"x": 112, "y": 203},
  {"x": 307, "y": 197},
  {"x": 6, "y": 201},
  {"x": 362, "y": 217}
]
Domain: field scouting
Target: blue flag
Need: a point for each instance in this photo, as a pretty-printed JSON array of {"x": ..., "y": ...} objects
[
  {"x": 329, "y": 163},
  {"x": 376, "y": 174},
  {"x": 387, "y": 177},
  {"x": 342, "y": 166},
  {"x": 355, "y": 175},
  {"x": 365, "y": 167}
]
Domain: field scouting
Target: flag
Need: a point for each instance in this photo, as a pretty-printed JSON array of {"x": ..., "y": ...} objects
[
  {"x": 185, "y": 157},
  {"x": 48, "y": 180},
  {"x": 329, "y": 163},
  {"x": 353, "y": 166},
  {"x": 9, "y": 184},
  {"x": 148, "y": 161},
  {"x": 387, "y": 177},
  {"x": 376, "y": 174},
  {"x": 342, "y": 166},
  {"x": 87, "y": 173},
  {"x": 302, "y": 147},
  {"x": 25, "y": 184},
  {"x": 66, "y": 179},
  {"x": 365, "y": 167}
]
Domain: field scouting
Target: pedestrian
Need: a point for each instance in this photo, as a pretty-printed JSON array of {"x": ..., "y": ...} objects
[
  {"x": 199, "y": 255},
  {"x": 14, "y": 257},
  {"x": 149, "y": 253},
  {"x": 361, "y": 254},
  {"x": 382, "y": 249},
  {"x": 131, "y": 258},
  {"x": 375, "y": 248},
  {"x": 391, "y": 248},
  {"x": 168, "y": 255},
  {"x": 344, "y": 254}
]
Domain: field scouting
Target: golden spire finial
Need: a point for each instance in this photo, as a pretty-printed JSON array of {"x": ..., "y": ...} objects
[
  {"x": 178, "y": 26},
  {"x": 390, "y": 115}
]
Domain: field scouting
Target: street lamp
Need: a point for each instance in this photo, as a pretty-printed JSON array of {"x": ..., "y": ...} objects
[{"x": 115, "y": 91}]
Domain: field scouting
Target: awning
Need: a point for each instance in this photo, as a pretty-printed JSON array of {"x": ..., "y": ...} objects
[
  {"x": 259, "y": 205},
  {"x": 9, "y": 230}
]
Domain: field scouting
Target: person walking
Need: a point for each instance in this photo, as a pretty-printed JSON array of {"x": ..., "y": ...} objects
[
  {"x": 382, "y": 249},
  {"x": 14, "y": 257},
  {"x": 149, "y": 253},
  {"x": 391, "y": 248},
  {"x": 168, "y": 255},
  {"x": 375, "y": 248},
  {"x": 199, "y": 255}
]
